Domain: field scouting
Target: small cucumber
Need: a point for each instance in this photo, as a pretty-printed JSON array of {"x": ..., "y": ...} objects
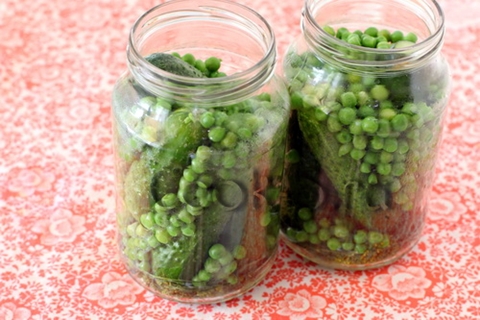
[{"x": 173, "y": 64}]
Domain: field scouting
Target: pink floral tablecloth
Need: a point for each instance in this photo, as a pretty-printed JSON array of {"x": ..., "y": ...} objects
[{"x": 58, "y": 257}]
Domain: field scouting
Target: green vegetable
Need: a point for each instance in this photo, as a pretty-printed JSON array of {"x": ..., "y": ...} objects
[
  {"x": 172, "y": 64},
  {"x": 357, "y": 142}
]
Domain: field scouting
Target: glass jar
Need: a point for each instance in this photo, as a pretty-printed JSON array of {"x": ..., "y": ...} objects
[
  {"x": 199, "y": 160},
  {"x": 369, "y": 89}
]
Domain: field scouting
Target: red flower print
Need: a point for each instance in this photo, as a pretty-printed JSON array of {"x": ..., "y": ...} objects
[
  {"x": 469, "y": 131},
  {"x": 115, "y": 289},
  {"x": 10, "y": 311},
  {"x": 301, "y": 305},
  {"x": 25, "y": 182},
  {"x": 62, "y": 226},
  {"x": 402, "y": 283},
  {"x": 446, "y": 206}
]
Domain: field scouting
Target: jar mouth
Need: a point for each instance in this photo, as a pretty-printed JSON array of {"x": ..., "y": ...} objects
[
  {"x": 425, "y": 18},
  {"x": 225, "y": 15}
]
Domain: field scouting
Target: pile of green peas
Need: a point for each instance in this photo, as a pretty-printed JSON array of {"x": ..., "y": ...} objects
[
  {"x": 336, "y": 235},
  {"x": 375, "y": 122},
  {"x": 213, "y": 183}
]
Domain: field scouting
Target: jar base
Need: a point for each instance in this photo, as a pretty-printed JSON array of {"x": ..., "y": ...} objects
[
  {"x": 336, "y": 265},
  {"x": 173, "y": 290}
]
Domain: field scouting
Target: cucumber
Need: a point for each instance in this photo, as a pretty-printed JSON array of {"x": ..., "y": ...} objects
[{"x": 173, "y": 64}]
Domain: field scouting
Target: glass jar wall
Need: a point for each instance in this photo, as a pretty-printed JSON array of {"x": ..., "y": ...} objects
[
  {"x": 199, "y": 159},
  {"x": 369, "y": 88}
]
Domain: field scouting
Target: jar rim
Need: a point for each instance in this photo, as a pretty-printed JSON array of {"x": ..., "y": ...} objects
[
  {"x": 409, "y": 56},
  {"x": 257, "y": 74}
]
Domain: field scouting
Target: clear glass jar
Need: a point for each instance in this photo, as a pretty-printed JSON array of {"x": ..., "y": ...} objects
[
  {"x": 365, "y": 129},
  {"x": 199, "y": 161}
]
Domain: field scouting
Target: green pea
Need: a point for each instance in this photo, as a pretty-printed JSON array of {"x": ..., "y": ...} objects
[
  {"x": 212, "y": 266},
  {"x": 174, "y": 221},
  {"x": 386, "y": 157},
  {"x": 194, "y": 211},
  {"x": 355, "y": 88},
  {"x": 348, "y": 100},
  {"x": 412, "y": 37},
  {"x": 363, "y": 98},
  {"x": 244, "y": 133},
  {"x": 348, "y": 246},
  {"x": 333, "y": 124},
  {"x": 207, "y": 120},
  {"x": 360, "y": 237},
  {"x": 334, "y": 244},
  {"x": 345, "y": 149},
  {"x": 152, "y": 241},
  {"x": 399, "y": 122},
  {"x": 371, "y": 157},
  {"x": 365, "y": 167},
  {"x": 189, "y": 58},
  {"x": 329, "y": 30},
  {"x": 204, "y": 275},
  {"x": 324, "y": 234},
  {"x": 354, "y": 39},
  {"x": 369, "y": 41},
  {"x": 217, "y": 251},
  {"x": 384, "y": 128},
  {"x": 185, "y": 216},
  {"x": 366, "y": 111},
  {"x": 147, "y": 220},
  {"x": 357, "y": 154},
  {"x": 341, "y": 32},
  {"x": 226, "y": 259},
  {"x": 320, "y": 115},
  {"x": 356, "y": 127},
  {"x": 360, "y": 248},
  {"x": 163, "y": 236},
  {"x": 131, "y": 229},
  {"x": 239, "y": 252},
  {"x": 189, "y": 175},
  {"x": 310, "y": 226},
  {"x": 161, "y": 219},
  {"x": 340, "y": 231},
  {"x": 173, "y": 231},
  {"x": 403, "y": 146},
  {"x": 198, "y": 166},
  {"x": 371, "y": 31},
  {"x": 170, "y": 200},
  {"x": 374, "y": 237},
  {"x": 379, "y": 92},
  {"x": 372, "y": 179},
  {"x": 370, "y": 124},
  {"x": 347, "y": 115},
  {"x": 390, "y": 145},
  {"x": 409, "y": 108},
  {"x": 230, "y": 140},
  {"x": 213, "y": 64},
  {"x": 265, "y": 219},
  {"x": 229, "y": 160},
  {"x": 189, "y": 230},
  {"x": 200, "y": 65},
  {"x": 395, "y": 185},
  {"x": 376, "y": 143},
  {"x": 396, "y": 36},
  {"x": 358, "y": 32},
  {"x": 216, "y": 134},
  {"x": 203, "y": 153},
  {"x": 384, "y": 169},
  {"x": 383, "y": 45},
  {"x": 360, "y": 142},
  {"x": 384, "y": 33},
  {"x": 343, "y": 136},
  {"x": 302, "y": 236},
  {"x": 305, "y": 214},
  {"x": 387, "y": 113},
  {"x": 398, "y": 169}
]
